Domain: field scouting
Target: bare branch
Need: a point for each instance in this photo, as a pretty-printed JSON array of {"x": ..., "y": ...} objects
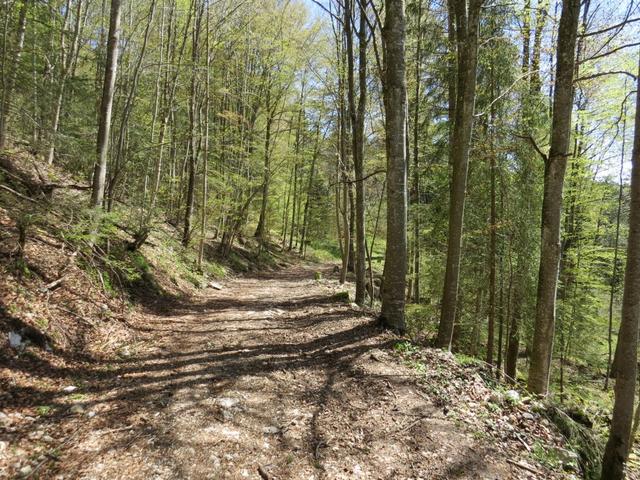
[{"x": 602, "y": 74}]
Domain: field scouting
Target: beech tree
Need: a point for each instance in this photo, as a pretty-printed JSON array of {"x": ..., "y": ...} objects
[
  {"x": 395, "y": 107},
  {"x": 106, "y": 106},
  {"x": 13, "y": 64},
  {"x": 555, "y": 167},
  {"x": 467, "y": 20},
  {"x": 620, "y": 439}
]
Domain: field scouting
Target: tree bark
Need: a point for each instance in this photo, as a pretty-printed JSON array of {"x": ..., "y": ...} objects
[
  {"x": 106, "y": 105},
  {"x": 416, "y": 164},
  {"x": 5, "y": 111},
  {"x": 619, "y": 443},
  {"x": 616, "y": 245},
  {"x": 305, "y": 216},
  {"x": 395, "y": 107},
  {"x": 467, "y": 21},
  {"x": 357, "y": 125},
  {"x": 67, "y": 61},
  {"x": 190, "y": 199},
  {"x": 555, "y": 167}
]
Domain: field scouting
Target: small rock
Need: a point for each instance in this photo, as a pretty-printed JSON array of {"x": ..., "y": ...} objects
[
  {"x": 77, "y": 409},
  {"x": 528, "y": 416},
  {"x": 69, "y": 389},
  {"x": 47, "y": 439},
  {"x": 26, "y": 470},
  {"x": 512, "y": 396},
  {"x": 227, "y": 402},
  {"x": 271, "y": 430},
  {"x": 15, "y": 340},
  {"x": 3, "y": 446},
  {"x": 91, "y": 414},
  {"x": 215, "y": 285}
]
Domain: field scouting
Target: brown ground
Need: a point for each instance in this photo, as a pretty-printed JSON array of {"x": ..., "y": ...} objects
[{"x": 267, "y": 378}]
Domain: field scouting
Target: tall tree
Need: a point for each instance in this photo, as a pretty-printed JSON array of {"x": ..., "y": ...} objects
[
  {"x": 194, "y": 137},
  {"x": 554, "y": 172},
  {"x": 620, "y": 440},
  {"x": 106, "y": 106},
  {"x": 467, "y": 21},
  {"x": 395, "y": 107},
  {"x": 357, "y": 125},
  {"x": 10, "y": 82},
  {"x": 67, "y": 60}
]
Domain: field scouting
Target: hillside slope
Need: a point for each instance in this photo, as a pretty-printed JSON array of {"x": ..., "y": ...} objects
[{"x": 136, "y": 364}]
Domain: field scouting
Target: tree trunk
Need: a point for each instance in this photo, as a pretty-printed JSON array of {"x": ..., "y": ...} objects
[
  {"x": 416, "y": 164},
  {"x": 305, "y": 216},
  {"x": 190, "y": 199},
  {"x": 467, "y": 26},
  {"x": 395, "y": 107},
  {"x": 619, "y": 443},
  {"x": 205, "y": 156},
  {"x": 357, "y": 125},
  {"x": 67, "y": 62},
  {"x": 5, "y": 111},
  {"x": 614, "y": 273},
  {"x": 555, "y": 167},
  {"x": 106, "y": 105},
  {"x": 493, "y": 223},
  {"x": 261, "y": 229}
]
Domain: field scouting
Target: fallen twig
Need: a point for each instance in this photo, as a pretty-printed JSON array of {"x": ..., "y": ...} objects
[
  {"x": 114, "y": 430},
  {"x": 264, "y": 474},
  {"x": 54, "y": 284},
  {"x": 523, "y": 466},
  {"x": 526, "y": 445},
  {"x": 17, "y": 194}
]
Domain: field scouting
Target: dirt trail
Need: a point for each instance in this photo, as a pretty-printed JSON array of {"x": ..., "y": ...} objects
[{"x": 267, "y": 378}]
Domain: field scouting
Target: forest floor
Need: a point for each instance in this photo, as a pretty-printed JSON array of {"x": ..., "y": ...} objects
[{"x": 270, "y": 377}]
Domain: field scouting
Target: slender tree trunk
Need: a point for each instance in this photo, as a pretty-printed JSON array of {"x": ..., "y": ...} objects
[
  {"x": 357, "y": 122},
  {"x": 7, "y": 96},
  {"x": 190, "y": 199},
  {"x": 67, "y": 61},
  {"x": 205, "y": 159},
  {"x": 555, "y": 167},
  {"x": 305, "y": 216},
  {"x": 619, "y": 443},
  {"x": 106, "y": 105},
  {"x": 395, "y": 107},
  {"x": 416, "y": 163},
  {"x": 614, "y": 273},
  {"x": 493, "y": 225},
  {"x": 467, "y": 26},
  {"x": 261, "y": 230}
]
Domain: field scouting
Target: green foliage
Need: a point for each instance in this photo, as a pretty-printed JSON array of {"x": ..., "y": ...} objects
[
  {"x": 44, "y": 410},
  {"x": 421, "y": 319},
  {"x": 589, "y": 447}
]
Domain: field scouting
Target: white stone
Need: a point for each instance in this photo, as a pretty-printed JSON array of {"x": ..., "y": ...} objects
[
  {"x": 512, "y": 396},
  {"x": 15, "y": 340}
]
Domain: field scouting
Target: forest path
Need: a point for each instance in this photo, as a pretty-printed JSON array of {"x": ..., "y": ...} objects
[{"x": 269, "y": 378}]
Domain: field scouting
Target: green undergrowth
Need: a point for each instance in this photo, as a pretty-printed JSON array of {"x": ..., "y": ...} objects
[
  {"x": 420, "y": 320},
  {"x": 584, "y": 437}
]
